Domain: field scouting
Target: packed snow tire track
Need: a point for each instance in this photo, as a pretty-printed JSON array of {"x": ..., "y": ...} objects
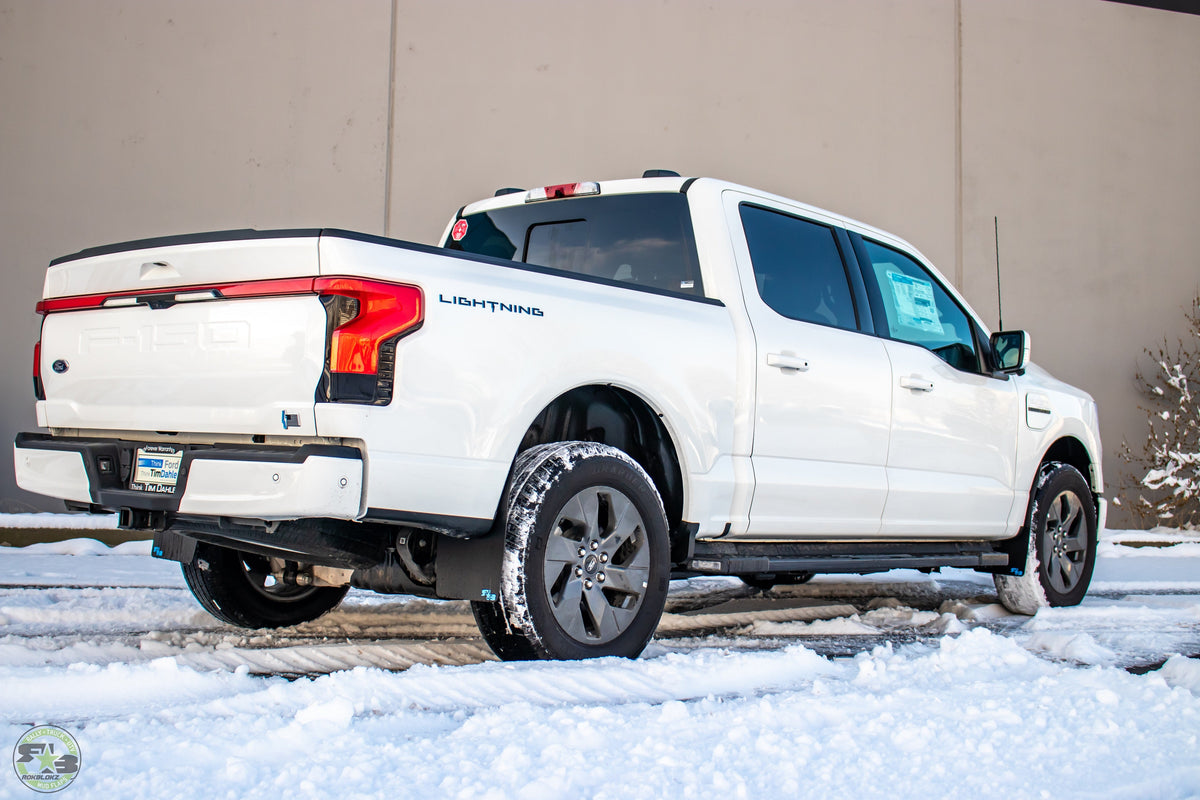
[{"x": 884, "y": 686}]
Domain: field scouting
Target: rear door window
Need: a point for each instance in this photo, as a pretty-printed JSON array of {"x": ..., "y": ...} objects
[
  {"x": 798, "y": 268},
  {"x": 645, "y": 240}
]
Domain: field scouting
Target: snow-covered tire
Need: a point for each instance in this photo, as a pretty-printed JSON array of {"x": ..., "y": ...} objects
[
  {"x": 233, "y": 587},
  {"x": 493, "y": 626},
  {"x": 1062, "y": 544},
  {"x": 586, "y": 557}
]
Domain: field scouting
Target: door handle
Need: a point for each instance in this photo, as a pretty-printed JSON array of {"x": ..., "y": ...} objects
[
  {"x": 917, "y": 383},
  {"x": 787, "y": 362}
]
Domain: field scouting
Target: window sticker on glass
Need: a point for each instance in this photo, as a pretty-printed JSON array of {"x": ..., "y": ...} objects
[{"x": 914, "y": 303}]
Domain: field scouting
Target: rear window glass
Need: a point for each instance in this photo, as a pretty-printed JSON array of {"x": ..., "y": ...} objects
[{"x": 641, "y": 239}]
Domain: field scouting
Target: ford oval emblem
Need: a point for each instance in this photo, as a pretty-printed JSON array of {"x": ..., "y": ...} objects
[{"x": 60, "y": 366}]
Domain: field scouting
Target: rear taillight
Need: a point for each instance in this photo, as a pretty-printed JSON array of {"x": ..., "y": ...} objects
[
  {"x": 562, "y": 190},
  {"x": 79, "y": 303},
  {"x": 366, "y": 318},
  {"x": 276, "y": 287},
  {"x": 39, "y": 391}
]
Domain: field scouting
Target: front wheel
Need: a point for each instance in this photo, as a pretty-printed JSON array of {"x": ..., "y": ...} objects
[
  {"x": 586, "y": 561},
  {"x": 1062, "y": 544}
]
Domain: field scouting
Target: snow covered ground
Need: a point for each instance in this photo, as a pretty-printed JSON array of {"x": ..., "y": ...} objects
[{"x": 922, "y": 687}]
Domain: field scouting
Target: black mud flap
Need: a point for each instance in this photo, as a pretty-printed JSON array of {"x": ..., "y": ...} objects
[
  {"x": 173, "y": 547},
  {"x": 469, "y": 569},
  {"x": 1017, "y": 549}
]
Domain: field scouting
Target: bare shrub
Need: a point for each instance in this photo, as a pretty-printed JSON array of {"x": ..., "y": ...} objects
[{"x": 1166, "y": 476}]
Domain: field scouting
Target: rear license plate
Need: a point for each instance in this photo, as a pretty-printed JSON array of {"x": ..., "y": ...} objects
[{"x": 156, "y": 469}]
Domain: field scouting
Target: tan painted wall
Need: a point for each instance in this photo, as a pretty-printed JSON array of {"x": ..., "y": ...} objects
[
  {"x": 120, "y": 120},
  {"x": 1081, "y": 132},
  {"x": 849, "y": 105},
  {"x": 135, "y": 119}
]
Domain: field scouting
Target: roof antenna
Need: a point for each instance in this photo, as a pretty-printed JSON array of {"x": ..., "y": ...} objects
[{"x": 999, "y": 308}]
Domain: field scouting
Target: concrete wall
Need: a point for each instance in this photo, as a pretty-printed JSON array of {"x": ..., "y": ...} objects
[
  {"x": 1081, "y": 133},
  {"x": 1072, "y": 121},
  {"x": 849, "y": 104},
  {"x": 125, "y": 119}
]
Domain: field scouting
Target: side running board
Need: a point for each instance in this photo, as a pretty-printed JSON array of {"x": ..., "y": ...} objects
[{"x": 745, "y": 558}]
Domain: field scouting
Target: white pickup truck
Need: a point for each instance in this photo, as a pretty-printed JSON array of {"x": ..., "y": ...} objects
[{"x": 588, "y": 390}]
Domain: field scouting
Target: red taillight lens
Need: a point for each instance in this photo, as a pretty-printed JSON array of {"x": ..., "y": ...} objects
[
  {"x": 277, "y": 287},
  {"x": 39, "y": 391},
  {"x": 385, "y": 311},
  {"x": 70, "y": 303},
  {"x": 274, "y": 287}
]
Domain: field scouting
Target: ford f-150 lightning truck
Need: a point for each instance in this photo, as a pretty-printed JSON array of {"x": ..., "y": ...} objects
[{"x": 587, "y": 390}]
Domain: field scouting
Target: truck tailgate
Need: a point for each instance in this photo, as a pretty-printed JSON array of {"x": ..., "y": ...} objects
[{"x": 204, "y": 337}]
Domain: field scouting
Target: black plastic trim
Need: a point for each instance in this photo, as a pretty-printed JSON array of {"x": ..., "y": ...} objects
[
  {"x": 328, "y": 542},
  {"x": 238, "y": 235},
  {"x": 273, "y": 453},
  {"x": 687, "y": 185},
  {"x": 878, "y": 315},
  {"x": 743, "y": 558},
  {"x": 828, "y": 548},
  {"x": 858, "y": 288},
  {"x": 683, "y": 542},
  {"x": 457, "y": 527},
  {"x": 855, "y": 564},
  {"x": 989, "y": 356}
]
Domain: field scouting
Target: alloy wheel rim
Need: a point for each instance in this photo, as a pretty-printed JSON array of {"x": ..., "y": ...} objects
[
  {"x": 597, "y": 565},
  {"x": 1065, "y": 542}
]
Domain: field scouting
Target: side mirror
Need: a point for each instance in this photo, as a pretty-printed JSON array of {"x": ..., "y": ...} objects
[{"x": 1010, "y": 351}]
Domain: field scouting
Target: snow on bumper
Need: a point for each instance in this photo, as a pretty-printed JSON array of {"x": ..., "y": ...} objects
[{"x": 258, "y": 483}]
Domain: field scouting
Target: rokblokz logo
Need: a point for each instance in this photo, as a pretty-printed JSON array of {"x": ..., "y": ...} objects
[{"x": 46, "y": 758}]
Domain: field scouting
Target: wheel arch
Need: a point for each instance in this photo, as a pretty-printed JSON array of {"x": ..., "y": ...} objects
[
  {"x": 1070, "y": 450},
  {"x": 1065, "y": 449},
  {"x": 612, "y": 415}
]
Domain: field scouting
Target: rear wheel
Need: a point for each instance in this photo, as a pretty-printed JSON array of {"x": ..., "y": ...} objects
[
  {"x": 238, "y": 588},
  {"x": 1062, "y": 544},
  {"x": 585, "y": 566},
  {"x": 493, "y": 626}
]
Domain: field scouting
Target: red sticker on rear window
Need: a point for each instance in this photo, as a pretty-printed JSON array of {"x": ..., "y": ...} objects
[{"x": 459, "y": 230}]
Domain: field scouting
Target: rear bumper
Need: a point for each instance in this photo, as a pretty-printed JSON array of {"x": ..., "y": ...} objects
[{"x": 255, "y": 482}]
